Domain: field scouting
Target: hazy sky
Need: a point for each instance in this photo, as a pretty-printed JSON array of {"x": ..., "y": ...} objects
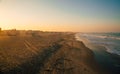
[{"x": 61, "y": 15}]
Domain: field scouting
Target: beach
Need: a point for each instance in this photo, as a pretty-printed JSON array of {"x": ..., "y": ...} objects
[{"x": 36, "y": 52}]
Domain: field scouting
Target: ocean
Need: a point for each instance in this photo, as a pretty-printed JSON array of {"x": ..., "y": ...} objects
[{"x": 106, "y": 48}]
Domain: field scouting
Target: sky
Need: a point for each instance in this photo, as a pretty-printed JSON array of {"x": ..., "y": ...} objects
[{"x": 61, "y": 15}]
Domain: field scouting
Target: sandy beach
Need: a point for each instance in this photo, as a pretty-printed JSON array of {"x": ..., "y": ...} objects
[{"x": 35, "y": 52}]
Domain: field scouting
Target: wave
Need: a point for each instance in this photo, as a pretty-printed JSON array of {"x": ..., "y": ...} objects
[
  {"x": 110, "y": 50},
  {"x": 109, "y": 40},
  {"x": 108, "y": 37}
]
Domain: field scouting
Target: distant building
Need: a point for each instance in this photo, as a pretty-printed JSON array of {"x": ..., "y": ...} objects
[
  {"x": 0, "y": 29},
  {"x": 12, "y": 32}
]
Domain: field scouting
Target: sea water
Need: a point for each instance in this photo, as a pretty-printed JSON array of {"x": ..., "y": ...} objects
[{"x": 106, "y": 47}]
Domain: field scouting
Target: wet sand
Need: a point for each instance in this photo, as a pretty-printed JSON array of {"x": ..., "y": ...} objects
[{"x": 46, "y": 53}]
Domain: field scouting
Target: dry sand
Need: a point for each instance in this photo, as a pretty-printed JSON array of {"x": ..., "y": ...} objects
[{"x": 46, "y": 53}]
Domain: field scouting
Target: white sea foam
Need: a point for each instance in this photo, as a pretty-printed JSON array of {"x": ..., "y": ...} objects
[
  {"x": 110, "y": 50},
  {"x": 111, "y": 43}
]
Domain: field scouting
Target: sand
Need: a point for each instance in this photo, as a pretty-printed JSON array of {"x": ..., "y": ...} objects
[{"x": 46, "y": 53}]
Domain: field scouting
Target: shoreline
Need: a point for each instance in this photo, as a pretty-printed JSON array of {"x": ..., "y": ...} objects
[
  {"x": 104, "y": 58},
  {"x": 89, "y": 47}
]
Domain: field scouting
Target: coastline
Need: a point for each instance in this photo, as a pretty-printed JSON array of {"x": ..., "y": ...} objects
[
  {"x": 41, "y": 53},
  {"x": 94, "y": 63},
  {"x": 107, "y": 61}
]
